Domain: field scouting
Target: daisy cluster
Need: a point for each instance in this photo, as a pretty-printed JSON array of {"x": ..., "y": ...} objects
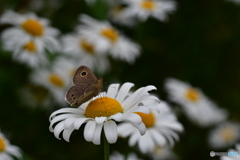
[{"x": 149, "y": 125}]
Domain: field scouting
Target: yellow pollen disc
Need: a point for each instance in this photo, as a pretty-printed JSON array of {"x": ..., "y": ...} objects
[
  {"x": 148, "y": 4},
  {"x": 56, "y": 80},
  {"x": 110, "y": 33},
  {"x": 2, "y": 145},
  {"x": 228, "y": 134},
  {"x": 30, "y": 46},
  {"x": 33, "y": 27},
  {"x": 103, "y": 107},
  {"x": 192, "y": 94},
  {"x": 89, "y": 48},
  {"x": 147, "y": 119}
]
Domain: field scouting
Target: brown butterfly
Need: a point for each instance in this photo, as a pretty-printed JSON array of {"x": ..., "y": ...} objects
[{"x": 85, "y": 86}]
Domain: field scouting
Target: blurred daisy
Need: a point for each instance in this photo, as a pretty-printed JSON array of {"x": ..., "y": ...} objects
[
  {"x": 104, "y": 111},
  {"x": 143, "y": 9},
  {"x": 30, "y": 28},
  {"x": 235, "y": 1},
  {"x": 224, "y": 135},
  {"x": 85, "y": 52},
  {"x": 8, "y": 150},
  {"x": 160, "y": 153},
  {"x": 117, "y": 156},
  {"x": 35, "y": 96},
  {"x": 196, "y": 105},
  {"x": 237, "y": 150},
  {"x": 27, "y": 52},
  {"x": 161, "y": 130},
  {"x": 119, "y": 14},
  {"x": 55, "y": 80},
  {"x": 107, "y": 39}
]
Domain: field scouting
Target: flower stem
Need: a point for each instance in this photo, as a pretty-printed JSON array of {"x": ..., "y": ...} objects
[{"x": 106, "y": 147}]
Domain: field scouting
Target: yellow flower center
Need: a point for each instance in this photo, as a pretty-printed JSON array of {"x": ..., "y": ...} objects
[
  {"x": 56, "y": 80},
  {"x": 192, "y": 95},
  {"x": 148, "y": 119},
  {"x": 103, "y": 107},
  {"x": 89, "y": 48},
  {"x": 148, "y": 4},
  {"x": 30, "y": 46},
  {"x": 33, "y": 27},
  {"x": 228, "y": 134},
  {"x": 110, "y": 33},
  {"x": 2, "y": 145}
]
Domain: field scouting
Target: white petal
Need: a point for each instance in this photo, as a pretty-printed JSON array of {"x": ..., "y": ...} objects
[
  {"x": 77, "y": 124},
  {"x": 68, "y": 122},
  {"x": 112, "y": 90},
  {"x": 141, "y": 127},
  {"x": 66, "y": 110},
  {"x": 89, "y": 130},
  {"x": 146, "y": 144},
  {"x": 134, "y": 139},
  {"x": 158, "y": 138},
  {"x": 100, "y": 120},
  {"x": 97, "y": 134},
  {"x": 126, "y": 129},
  {"x": 143, "y": 109},
  {"x": 58, "y": 129},
  {"x": 123, "y": 91},
  {"x": 117, "y": 117},
  {"x": 67, "y": 133},
  {"x": 59, "y": 118},
  {"x": 110, "y": 130},
  {"x": 132, "y": 118}
]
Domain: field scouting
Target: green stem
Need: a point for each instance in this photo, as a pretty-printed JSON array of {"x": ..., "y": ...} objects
[{"x": 106, "y": 147}]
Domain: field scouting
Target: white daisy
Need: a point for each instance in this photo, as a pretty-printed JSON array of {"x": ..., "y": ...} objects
[
  {"x": 143, "y": 9},
  {"x": 161, "y": 130},
  {"x": 107, "y": 39},
  {"x": 237, "y": 157},
  {"x": 117, "y": 156},
  {"x": 196, "y": 105},
  {"x": 56, "y": 81},
  {"x": 26, "y": 52},
  {"x": 103, "y": 112},
  {"x": 85, "y": 52},
  {"x": 119, "y": 14},
  {"x": 165, "y": 153},
  {"x": 224, "y": 135},
  {"x": 28, "y": 27},
  {"x": 8, "y": 150}
]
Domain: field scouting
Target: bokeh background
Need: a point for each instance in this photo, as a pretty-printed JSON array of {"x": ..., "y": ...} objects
[{"x": 200, "y": 44}]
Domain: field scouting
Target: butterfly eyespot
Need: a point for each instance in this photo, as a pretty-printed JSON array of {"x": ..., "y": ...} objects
[
  {"x": 83, "y": 73},
  {"x": 74, "y": 98},
  {"x": 72, "y": 95}
]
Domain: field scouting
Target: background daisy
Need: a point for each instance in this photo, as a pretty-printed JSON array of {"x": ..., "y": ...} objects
[
  {"x": 143, "y": 9},
  {"x": 237, "y": 150},
  {"x": 117, "y": 156},
  {"x": 161, "y": 130},
  {"x": 7, "y": 150},
  {"x": 224, "y": 135},
  {"x": 107, "y": 39},
  {"x": 197, "y": 107}
]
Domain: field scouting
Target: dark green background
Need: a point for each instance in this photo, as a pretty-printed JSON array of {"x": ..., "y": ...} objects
[{"x": 199, "y": 44}]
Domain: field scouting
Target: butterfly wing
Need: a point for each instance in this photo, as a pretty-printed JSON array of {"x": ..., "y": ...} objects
[
  {"x": 74, "y": 93},
  {"x": 84, "y": 75}
]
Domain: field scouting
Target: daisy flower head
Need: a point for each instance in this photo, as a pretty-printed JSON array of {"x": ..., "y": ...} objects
[
  {"x": 7, "y": 150},
  {"x": 85, "y": 53},
  {"x": 160, "y": 153},
  {"x": 55, "y": 80},
  {"x": 195, "y": 104},
  {"x": 224, "y": 135},
  {"x": 237, "y": 150},
  {"x": 107, "y": 39},
  {"x": 26, "y": 52},
  {"x": 161, "y": 129},
  {"x": 30, "y": 28},
  {"x": 118, "y": 156},
  {"x": 104, "y": 111},
  {"x": 143, "y": 9}
]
